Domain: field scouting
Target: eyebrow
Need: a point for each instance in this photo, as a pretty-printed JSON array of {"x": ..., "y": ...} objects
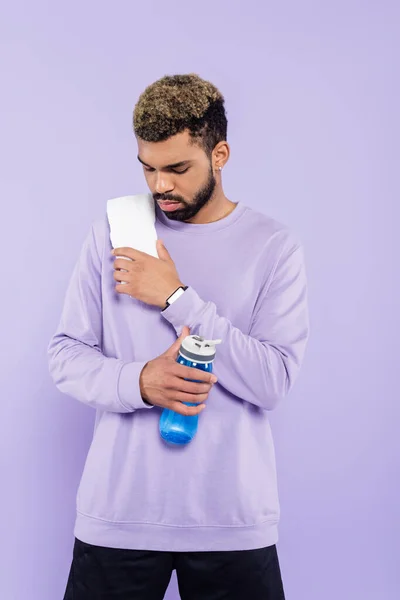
[{"x": 182, "y": 163}]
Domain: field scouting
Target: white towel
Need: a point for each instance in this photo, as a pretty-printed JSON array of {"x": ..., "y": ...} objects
[{"x": 132, "y": 223}]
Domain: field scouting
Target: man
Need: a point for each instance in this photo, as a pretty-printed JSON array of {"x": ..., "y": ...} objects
[{"x": 209, "y": 509}]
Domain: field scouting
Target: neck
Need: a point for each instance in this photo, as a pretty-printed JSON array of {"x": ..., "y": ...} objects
[{"x": 217, "y": 208}]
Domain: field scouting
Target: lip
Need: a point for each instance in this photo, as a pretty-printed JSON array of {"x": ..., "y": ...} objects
[{"x": 168, "y": 205}]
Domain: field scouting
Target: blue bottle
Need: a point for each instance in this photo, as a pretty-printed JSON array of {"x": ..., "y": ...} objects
[{"x": 195, "y": 352}]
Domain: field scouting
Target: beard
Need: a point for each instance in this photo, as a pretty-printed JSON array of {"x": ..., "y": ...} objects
[{"x": 188, "y": 211}]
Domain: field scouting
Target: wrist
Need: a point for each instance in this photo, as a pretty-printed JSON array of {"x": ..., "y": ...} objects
[
  {"x": 174, "y": 295},
  {"x": 141, "y": 386}
]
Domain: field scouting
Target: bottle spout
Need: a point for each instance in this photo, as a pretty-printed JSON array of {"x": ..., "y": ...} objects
[{"x": 212, "y": 342}]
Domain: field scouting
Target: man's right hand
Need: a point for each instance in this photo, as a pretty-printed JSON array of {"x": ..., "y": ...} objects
[{"x": 162, "y": 382}]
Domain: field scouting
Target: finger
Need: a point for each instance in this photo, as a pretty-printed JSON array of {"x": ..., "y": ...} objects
[
  {"x": 121, "y": 276},
  {"x": 121, "y": 288},
  {"x": 173, "y": 349},
  {"x": 122, "y": 263},
  {"x": 193, "y": 373},
  {"x": 190, "y": 387},
  {"x": 162, "y": 251},
  {"x": 183, "y": 409},
  {"x": 185, "y": 397},
  {"x": 129, "y": 253}
]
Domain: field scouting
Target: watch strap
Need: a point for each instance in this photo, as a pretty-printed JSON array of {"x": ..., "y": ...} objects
[{"x": 168, "y": 301}]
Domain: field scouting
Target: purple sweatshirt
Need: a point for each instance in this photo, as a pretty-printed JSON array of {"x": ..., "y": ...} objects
[{"x": 247, "y": 286}]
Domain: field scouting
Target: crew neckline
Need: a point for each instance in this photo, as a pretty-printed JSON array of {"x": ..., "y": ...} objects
[{"x": 183, "y": 226}]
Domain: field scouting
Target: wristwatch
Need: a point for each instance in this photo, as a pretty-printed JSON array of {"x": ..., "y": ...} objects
[{"x": 175, "y": 295}]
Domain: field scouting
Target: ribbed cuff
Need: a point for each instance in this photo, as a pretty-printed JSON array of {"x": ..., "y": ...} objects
[{"x": 129, "y": 388}]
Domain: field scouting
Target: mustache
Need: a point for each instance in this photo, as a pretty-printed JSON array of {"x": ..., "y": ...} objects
[{"x": 166, "y": 197}]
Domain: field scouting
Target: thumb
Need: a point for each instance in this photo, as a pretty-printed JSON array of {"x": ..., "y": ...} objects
[
  {"x": 162, "y": 251},
  {"x": 174, "y": 348}
]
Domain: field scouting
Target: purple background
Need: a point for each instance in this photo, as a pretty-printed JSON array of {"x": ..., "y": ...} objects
[{"x": 312, "y": 93}]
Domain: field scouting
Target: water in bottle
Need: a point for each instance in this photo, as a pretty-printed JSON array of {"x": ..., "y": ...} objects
[{"x": 198, "y": 353}]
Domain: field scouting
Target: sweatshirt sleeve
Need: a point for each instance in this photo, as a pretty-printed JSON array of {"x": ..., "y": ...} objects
[
  {"x": 262, "y": 366},
  {"x": 76, "y": 363}
]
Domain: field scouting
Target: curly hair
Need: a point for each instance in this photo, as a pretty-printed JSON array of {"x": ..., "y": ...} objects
[{"x": 175, "y": 103}]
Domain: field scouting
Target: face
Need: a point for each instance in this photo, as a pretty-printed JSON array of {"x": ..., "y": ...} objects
[{"x": 178, "y": 171}]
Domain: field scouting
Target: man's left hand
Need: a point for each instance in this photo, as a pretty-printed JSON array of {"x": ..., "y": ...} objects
[{"x": 149, "y": 279}]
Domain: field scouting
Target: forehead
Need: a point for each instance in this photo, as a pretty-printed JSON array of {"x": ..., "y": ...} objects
[{"x": 173, "y": 150}]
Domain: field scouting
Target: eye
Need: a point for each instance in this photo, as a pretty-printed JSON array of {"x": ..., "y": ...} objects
[
  {"x": 151, "y": 170},
  {"x": 180, "y": 172}
]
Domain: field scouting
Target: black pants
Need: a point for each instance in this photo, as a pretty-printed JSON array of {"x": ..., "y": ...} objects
[{"x": 99, "y": 573}]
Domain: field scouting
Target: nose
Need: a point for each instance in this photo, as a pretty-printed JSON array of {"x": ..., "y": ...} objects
[{"x": 164, "y": 184}]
